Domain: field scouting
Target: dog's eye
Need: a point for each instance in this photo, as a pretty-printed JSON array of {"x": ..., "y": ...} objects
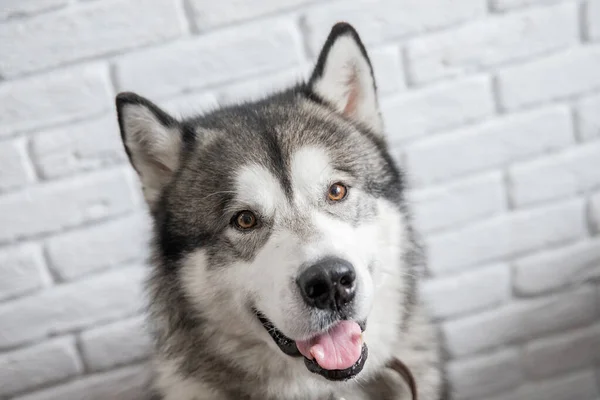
[
  {"x": 337, "y": 192},
  {"x": 245, "y": 220}
]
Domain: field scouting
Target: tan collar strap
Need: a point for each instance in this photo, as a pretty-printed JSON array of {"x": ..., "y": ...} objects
[{"x": 404, "y": 371}]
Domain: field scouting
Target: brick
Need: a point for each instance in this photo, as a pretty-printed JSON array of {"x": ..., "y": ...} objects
[
  {"x": 90, "y": 30},
  {"x": 506, "y": 5},
  {"x": 14, "y": 165},
  {"x": 505, "y": 236},
  {"x": 190, "y": 104},
  {"x": 417, "y": 113},
  {"x": 592, "y": 14},
  {"x": 588, "y": 117},
  {"x": 578, "y": 385},
  {"x": 23, "y": 270},
  {"x": 492, "y": 41},
  {"x": 259, "y": 87},
  {"x": 54, "y": 98},
  {"x": 557, "y": 268},
  {"x": 388, "y": 69},
  {"x": 543, "y": 80},
  {"x": 468, "y": 292},
  {"x": 479, "y": 377},
  {"x": 208, "y": 14},
  {"x": 572, "y": 171},
  {"x": 210, "y": 59},
  {"x": 20, "y": 8},
  {"x": 560, "y": 354},
  {"x": 457, "y": 203},
  {"x": 71, "y": 306},
  {"x": 78, "y": 147},
  {"x": 110, "y": 244},
  {"x": 382, "y": 20},
  {"x": 122, "y": 343},
  {"x": 492, "y": 144},
  {"x": 123, "y": 384},
  {"x": 59, "y": 205},
  {"x": 595, "y": 212},
  {"x": 38, "y": 365},
  {"x": 519, "y": 321}
]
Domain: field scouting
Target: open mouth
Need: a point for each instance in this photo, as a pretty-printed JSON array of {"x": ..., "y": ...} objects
[{"x": 338, "y": 354}]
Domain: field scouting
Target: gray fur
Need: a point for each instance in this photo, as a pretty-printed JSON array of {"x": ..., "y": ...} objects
[{"x": 209, "y": 345}]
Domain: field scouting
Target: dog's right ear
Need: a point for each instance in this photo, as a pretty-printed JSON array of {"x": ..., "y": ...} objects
[{"x": 152, "y": 140}]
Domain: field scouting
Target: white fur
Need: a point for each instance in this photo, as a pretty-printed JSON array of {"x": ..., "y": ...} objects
[
  {"x": 258, "y": 188},
  {"x": 347, "y": 78}
]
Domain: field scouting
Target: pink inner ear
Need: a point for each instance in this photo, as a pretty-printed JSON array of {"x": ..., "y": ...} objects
[{"x": 353, "y": 93}]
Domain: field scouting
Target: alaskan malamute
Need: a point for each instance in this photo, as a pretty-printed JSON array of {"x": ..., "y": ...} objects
[{"x": 284, "y": 263}]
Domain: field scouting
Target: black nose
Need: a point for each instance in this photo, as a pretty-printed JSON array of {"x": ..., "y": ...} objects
[{"x": 329, "y": 285}]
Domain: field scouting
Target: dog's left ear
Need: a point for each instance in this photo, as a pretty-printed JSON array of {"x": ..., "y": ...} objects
[
  {"x": 152, "y": 140},
  {"x": 343, "y": 78}
]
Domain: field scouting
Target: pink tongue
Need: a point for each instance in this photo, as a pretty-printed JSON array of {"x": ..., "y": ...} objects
[{"x": 338, "y": 348}]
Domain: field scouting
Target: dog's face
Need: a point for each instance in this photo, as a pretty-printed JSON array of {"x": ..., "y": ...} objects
[{"x": 281, "y": 213}]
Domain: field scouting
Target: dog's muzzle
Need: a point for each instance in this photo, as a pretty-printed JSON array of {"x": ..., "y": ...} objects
[{"x": 318, "y": 363}]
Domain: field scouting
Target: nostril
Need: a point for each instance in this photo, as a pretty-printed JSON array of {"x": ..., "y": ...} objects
[
  {"x": 317, "y": 289},
  {"x": 347, "y": 280}
]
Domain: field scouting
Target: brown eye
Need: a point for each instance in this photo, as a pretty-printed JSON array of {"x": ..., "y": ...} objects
[
  {"x": 337, "y": 192},
  {"x": 245, "y": 220}
]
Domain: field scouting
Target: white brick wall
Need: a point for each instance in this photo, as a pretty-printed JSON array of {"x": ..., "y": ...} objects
[{"x": 492, "y": 105}]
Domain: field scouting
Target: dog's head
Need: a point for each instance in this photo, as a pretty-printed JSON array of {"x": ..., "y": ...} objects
[{"x": 283, "y": 213}]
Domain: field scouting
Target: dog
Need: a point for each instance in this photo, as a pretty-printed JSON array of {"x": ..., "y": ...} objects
[{"x": 284, "y": 263}]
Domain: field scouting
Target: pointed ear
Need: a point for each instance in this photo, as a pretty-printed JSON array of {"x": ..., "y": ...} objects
[
  {"x": 152, "y": 140},
  {"x": 343, "y": 77}
]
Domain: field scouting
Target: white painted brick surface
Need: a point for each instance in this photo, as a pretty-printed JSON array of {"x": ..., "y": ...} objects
[
  {"x": 57, "y": 205},
  {"x": 555, "y": 176},
  {"x": 468, "y": 292},
  {"x": 492, "y": 105},
  {"x": 38, "y": 365},
  {"x": 446, "y": 206},
  {"x": 562, "y": 353},
  {"x": 479, "y": 377},
  {"x": 492, "y": 41},
  {"x": 593, "y": 19},
  {"x": 420, "y": 112},
  {"x": 72, "y": 306},
  {"x": 588, "y": 119},
  {"x": 78, "y": 147},
  {"x": 129, "y": 383},
  {"x": 208, "y": 14},
  {"x": 577, "y": 385},
  {"x": 211, "y": 59},
  {"x": 520, "y": 321},
  {"x": 544, "y": 80},
  {"x": 382, "y": 20},
  {"x": 54, "y": 98},
  {"x": 22, "y": 270},
  {"x": 109, "y": 244},
  {"x": 506, "y": 235},
  {"x": 71, "y": 34},
  {"x": 557, "y": 268},
  {"x": 19, "y": 8},
  {"x": 491, "y": 144},
  {"x": 257, "y": 88},
  {"x": 595, "y": 211},
  {"x": 117, "y": 344},
  {"x": 503, "y": 5},
  {"x": 15, "y": 170},
  {"x": 189, "y": 104}
]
